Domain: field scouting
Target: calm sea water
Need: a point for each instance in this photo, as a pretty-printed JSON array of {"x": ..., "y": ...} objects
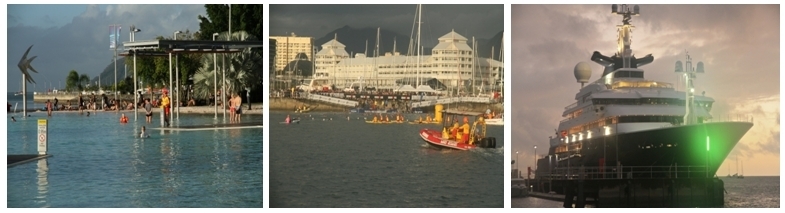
[
  {"x": 16, "y": 101},
  {"x": 98, "y": 162},
  {"x": 750, "y": 192},
  {"x": 342, "y": 163}
]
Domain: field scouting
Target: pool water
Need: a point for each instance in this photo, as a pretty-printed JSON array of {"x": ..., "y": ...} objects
[{"x": 98, "y": 162}]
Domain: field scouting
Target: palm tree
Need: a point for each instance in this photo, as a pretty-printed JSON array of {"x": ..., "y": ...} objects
[
  {"x": 72, "y": 81},
  {"x": 243, "y": 69}
]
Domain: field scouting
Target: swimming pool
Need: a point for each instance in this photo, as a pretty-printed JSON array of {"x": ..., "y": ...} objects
[{"x": 98, "y": 162}]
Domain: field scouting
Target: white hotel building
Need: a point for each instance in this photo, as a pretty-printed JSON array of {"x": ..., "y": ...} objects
[{"x": 451, "y": 62}]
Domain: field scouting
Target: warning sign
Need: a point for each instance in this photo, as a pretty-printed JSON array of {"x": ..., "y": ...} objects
[{"x": 42, "y": 137}]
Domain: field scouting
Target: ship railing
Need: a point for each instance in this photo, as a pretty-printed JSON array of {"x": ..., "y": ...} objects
[
  {"x": 731, "y": 118},
  {"x": 625, "y": 172},
  {"x": 571, "y": 105}
]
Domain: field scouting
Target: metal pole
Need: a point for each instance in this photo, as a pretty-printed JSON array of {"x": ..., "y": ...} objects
[
  {"x": 215, "y": 82},
  {"x": 115, "y": 66},
  {"x": 24, "y": 95},
  {"x": 535, "y": 160},
  {"x": 170, "y": 87},
  {"x": 223, "y": 84},
  {"x": 136, "y": 97},
  {"x": 223, "y": 87},
  {"x": 517, "y": 168},
  {"x": 177, "y": 79}
]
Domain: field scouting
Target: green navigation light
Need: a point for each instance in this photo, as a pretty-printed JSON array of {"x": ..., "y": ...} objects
[{"x": 707, "y": 143}]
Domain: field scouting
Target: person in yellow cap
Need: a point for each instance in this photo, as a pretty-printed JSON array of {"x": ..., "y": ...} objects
[
  {"x": 466, "y": 129},
  {"x": 375, "y": 119},
  {"x": 165, "y": 105}
]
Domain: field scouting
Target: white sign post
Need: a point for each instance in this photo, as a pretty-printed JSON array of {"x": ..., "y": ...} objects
[{"x": 42, "y": 137}]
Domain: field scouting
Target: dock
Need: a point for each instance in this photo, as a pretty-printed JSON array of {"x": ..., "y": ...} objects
[{"x": 630, "y": 188}]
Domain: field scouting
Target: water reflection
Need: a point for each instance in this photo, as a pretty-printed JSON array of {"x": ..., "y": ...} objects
[{"x": 43, "y": 181}]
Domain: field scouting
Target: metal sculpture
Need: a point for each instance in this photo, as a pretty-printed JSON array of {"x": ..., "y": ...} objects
[{"x": 24, "y": 65}]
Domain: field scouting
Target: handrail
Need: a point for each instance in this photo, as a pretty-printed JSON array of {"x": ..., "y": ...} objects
[{"x": 625, "y": 172}]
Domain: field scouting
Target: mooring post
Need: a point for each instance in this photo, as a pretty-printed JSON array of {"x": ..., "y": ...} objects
[
  {"x": 581, "y": 202},
  {"x": 569, "y": 194}
]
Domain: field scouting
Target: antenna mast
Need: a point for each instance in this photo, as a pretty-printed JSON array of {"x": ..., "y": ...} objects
[{"x": 625, "y": 32}]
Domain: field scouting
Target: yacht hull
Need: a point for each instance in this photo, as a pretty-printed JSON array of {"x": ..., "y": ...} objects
[{"x": 691, "y": 148}]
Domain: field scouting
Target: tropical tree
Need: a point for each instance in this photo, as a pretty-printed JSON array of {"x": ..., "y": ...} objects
[
  {"x": 72, "y": 81},
  {"x": 245, "y": 17},
  {"x": 243, "y": 69},
  {"x": 84, "y": 80}
]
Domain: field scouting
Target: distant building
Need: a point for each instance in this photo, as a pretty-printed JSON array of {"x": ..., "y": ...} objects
[
  {"x": 452, "y": 62},
  {"x": 287, "y": 49},
  {"x": 273, "y": 48}
]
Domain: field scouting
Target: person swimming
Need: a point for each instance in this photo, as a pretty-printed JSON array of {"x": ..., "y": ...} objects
[
  {"x": 288, "y": 119},
  {"x": 143, "y": 134},
  {"x": 123, "y": 119},
  {"x": 13, "y": 119}
]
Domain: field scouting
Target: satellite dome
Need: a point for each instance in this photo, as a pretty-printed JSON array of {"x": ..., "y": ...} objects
[{"x": 582, "y": 72}]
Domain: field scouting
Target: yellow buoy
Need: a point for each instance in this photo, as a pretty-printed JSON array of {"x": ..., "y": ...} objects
[{"x": 438, "y": 108}]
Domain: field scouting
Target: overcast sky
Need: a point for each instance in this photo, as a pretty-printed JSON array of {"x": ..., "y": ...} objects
[
  {"x": 739, "y": 45},
  {"x": 76, "y": 37},
  {"x": 480, "y": 21}
]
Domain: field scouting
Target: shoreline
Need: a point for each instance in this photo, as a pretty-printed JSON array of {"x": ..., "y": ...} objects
[{"x": 256, "y": 109}]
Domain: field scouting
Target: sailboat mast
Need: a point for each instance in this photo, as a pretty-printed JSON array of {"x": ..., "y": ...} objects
[
  {"x": 419, "y": 51},
  {"x": 395, "y": 41},
  {"x": 335, "y": 78},
  {"x": 375, "y": 68},
  {"x": 474, "y": 53},
  {"x": 501, "y": 69}
]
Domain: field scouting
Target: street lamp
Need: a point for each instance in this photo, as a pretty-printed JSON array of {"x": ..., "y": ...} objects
[
  {"x": 134, "y": 30},
  {"x": 517, "y": 168},
  {"x": 215, "y": 81},
  {"x": 177, "y": 78},
  {"x": 535, "y": 160}
]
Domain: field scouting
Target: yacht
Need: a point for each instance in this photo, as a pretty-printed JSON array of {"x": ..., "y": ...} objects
[{"x": 623, "y": 124}]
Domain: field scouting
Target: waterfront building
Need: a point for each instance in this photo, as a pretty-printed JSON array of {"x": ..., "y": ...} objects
[
  {"x": 452, "y": 62},
  {"x": 288, "y": 47}
]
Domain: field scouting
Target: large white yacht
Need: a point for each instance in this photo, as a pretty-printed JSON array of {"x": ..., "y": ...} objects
[{"x": 623, "y": 122}]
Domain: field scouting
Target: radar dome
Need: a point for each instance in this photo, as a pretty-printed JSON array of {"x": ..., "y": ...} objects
[{"x": 582, "y": 72}]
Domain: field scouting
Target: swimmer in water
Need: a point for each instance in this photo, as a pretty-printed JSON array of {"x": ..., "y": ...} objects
[
  {"x": 143, "y": 134},
  {"x": 13, "y": 119}
]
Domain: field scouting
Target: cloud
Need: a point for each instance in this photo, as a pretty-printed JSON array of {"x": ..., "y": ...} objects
[
  {"x": 482, "y": 21},
  {"x": 83, "y": 43}
]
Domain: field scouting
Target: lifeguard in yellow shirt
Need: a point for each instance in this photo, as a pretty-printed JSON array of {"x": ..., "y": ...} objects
[
  {"x": 466, "y": 129},
  {"x": 165, "y": 105}
]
